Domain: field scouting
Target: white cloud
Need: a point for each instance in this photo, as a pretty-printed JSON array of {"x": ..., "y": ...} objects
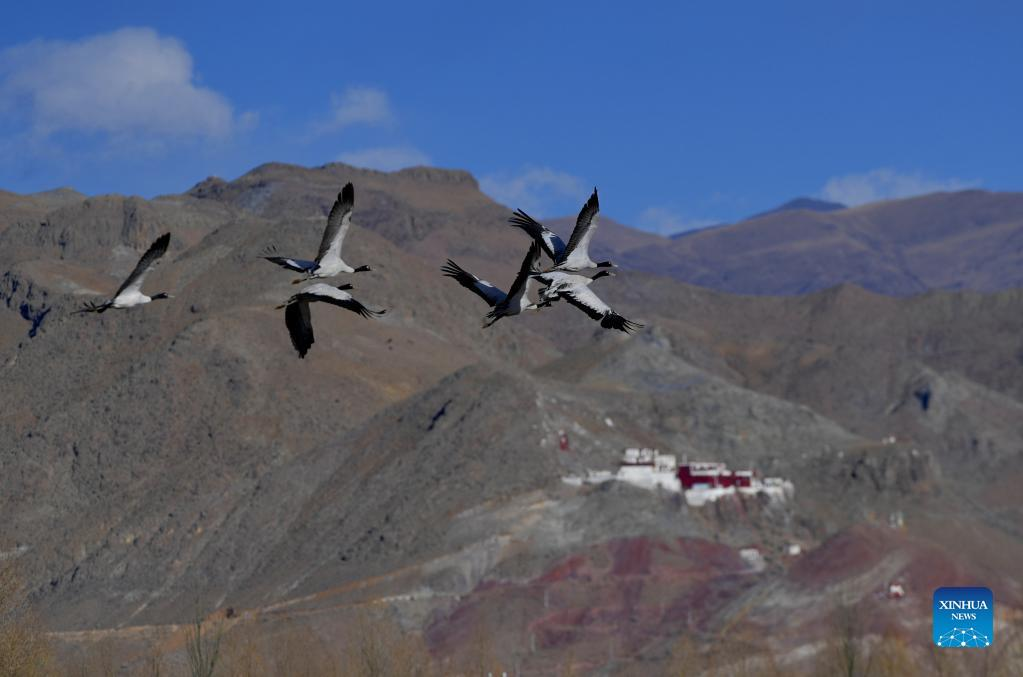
[
  {"x": 386, "y": 158},
  {"x": 356, "y": 106},
  {"x": 536, "y": 189},
  {"x": 665, "y": 221},
  {"x": 886, "y": 184},
  {"x": 128, "y": 83}
]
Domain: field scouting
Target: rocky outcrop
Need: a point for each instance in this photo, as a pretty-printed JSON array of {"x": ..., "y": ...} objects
[{"x": 22, "y": 298}]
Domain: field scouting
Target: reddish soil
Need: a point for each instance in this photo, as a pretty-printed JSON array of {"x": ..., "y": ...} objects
[{"x": 647, "y": 591}]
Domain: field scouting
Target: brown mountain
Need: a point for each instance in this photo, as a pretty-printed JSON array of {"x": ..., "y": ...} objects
[
  {"x": 181, "y": 451},
  {"x": 966, "y": 240},
  {"x": 25, "y": 208},
  {"x": 807, "y": 203}
]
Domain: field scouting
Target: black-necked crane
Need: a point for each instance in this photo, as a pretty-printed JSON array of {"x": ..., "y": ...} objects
[
  {"x": 296, "y": 314},
  {"x": 328, "y": 261},
  {"x": 502, "y": 304},
  {"x": 130, "y": 293},
  {"x": 575, "y": 290},
  {"x": 574, "y": 256},
  {"x": 556, "y": 280}
]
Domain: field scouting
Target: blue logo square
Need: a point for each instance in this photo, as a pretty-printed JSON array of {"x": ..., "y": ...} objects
[{"x": 964, "y": 618}]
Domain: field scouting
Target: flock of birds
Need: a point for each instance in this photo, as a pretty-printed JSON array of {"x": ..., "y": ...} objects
[{"x": 563, "y": 280}]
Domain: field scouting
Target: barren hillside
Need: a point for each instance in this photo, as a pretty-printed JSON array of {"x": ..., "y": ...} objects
[{"x": 154, "y": 456}]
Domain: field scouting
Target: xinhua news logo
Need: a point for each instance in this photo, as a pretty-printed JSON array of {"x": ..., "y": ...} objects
[{"x": 964, "y": 618}]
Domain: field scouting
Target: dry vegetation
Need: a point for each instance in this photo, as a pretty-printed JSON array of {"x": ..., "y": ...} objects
[
  {"x": 376, "y": 646},
  {"x": 849, "y": 651},
  {"x": 24, "y": 650},
  {"x": 739, "y": 654},
  {"x": 847, "y": 654}
]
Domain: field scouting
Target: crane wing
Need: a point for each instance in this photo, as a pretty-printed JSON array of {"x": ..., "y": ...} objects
[
  {"x": 588, "y": 302},
  {"x": 585, "y": 224},
  {"x": 527, "y": 268},
  {"x": 486, "y": 291},
  {"x": 338, "y": 222},
  {"x": 298, "y": 265},
  {"x": 338, "y": 297},
  {"x": 134, "y": 282},
  {"x": 300, "y": 326},
  {"x": 552, "y": 244}
]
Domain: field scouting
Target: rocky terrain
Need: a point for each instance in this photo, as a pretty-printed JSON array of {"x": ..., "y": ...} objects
[{"x": 180, "y": 452}]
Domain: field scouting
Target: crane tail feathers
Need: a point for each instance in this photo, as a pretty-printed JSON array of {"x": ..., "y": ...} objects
[{"x": 92, "y": 307}]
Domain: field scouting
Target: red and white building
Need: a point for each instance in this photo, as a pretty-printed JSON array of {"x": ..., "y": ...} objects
[
  {"x": 713, "y": 476},
  {"x": 700, "y": 482}
]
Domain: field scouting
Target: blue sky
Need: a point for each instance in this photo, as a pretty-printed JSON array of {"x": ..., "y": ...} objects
[{"x": 683, "y": 116}]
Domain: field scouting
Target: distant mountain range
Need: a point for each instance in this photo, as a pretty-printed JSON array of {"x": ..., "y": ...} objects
[
  {"x": 808, "y": 203},
  {"x": 964, "y": 240}
]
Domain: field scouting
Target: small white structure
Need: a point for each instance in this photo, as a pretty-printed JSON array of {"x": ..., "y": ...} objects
[
  {"x": 645, "y": 468},
  {"x": 592, "y": 477},
  {"x": 649, "y": 469},
  {"x": 794, "y": 550},
  {"x": 754, "y": 558},
  {"x": 775, "y": 488}
]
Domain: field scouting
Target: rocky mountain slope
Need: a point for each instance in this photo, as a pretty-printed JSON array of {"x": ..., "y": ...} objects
[{"x": 180, "y": 451}]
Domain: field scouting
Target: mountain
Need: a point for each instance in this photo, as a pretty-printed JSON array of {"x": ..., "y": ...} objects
[
  {"x": 807, "y": 203},
  {"x": 181, "y": 453},
  {"x": 26, "y": 208},
  {"x": 693, "y": 231},
  {"x": 964, "y": 240}
]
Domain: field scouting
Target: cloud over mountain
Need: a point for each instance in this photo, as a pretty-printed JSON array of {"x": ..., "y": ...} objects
[
  {"x": 886, "y": 184},
  {"x": 536, "y": 189},
  {"x": 385, "y": 158},
  {"x": 666, "y": 221}
]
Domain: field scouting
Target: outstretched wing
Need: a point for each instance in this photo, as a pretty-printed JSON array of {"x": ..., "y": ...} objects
[
  {"x": 585, "y": 224},
  {"x": 356, "y": 307},
  {"x": 588, "y": 302},
  {"x": 615, "y": 321},
  {"x": 338, "y": 222},
  {"x": 298, "y": 265},
  {"x": 341, "y": 298},
  {"x": 486, "y": 291},
  {"x": 527, "y": 268},
  {"x": 145, "y": 264},
  {"x": 300, "y": 326},
  {"x": 552, "y": 245}
]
